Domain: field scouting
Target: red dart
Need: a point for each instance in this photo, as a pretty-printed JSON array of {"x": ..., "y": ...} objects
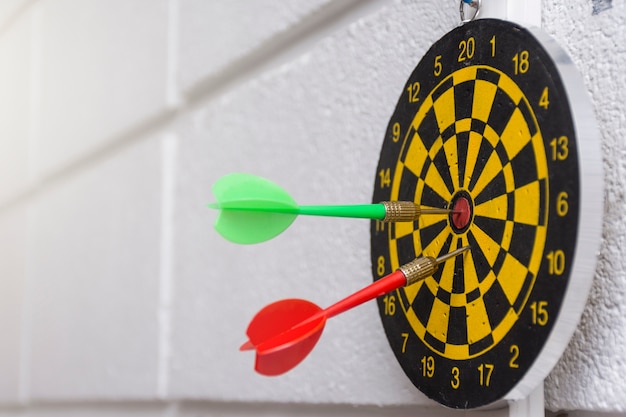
[{"x": 284, "y": 332}]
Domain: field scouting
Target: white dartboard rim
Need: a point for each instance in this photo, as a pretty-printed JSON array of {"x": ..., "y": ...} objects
[{"x": 589, "y": 223}]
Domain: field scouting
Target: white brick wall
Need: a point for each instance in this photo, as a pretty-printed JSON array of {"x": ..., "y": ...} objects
[
  {"x": 12, "y": 247},
  {"x": 103, "y": 74},
  {"x": 15, "y": 105},
  {"x": 116, "y": 296},
  {"x": 214, "y": 37},
  {"x": 93, "y": 274}
]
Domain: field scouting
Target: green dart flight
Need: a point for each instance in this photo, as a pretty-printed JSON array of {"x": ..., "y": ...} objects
[{"x": 254, "y": 209}]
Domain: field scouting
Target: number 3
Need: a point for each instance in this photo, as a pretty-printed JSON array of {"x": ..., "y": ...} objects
[{"x": 456, "y": 382}]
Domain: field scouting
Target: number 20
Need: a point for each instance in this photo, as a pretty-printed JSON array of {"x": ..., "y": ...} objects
[{"x": 467, "y": 48}]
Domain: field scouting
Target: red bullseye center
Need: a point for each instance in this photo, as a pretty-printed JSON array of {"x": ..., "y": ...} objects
[{"x": 461, "y": 213}]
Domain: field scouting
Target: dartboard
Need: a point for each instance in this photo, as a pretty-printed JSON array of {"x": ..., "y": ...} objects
[{"x": 484, "y": 128}]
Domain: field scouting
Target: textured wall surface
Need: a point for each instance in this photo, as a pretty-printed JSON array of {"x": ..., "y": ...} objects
[
  {"x": 590, "y": 372},
  {"x": 116, "y": 295}
]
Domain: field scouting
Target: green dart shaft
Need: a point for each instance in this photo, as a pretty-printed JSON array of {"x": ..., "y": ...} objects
[
  {"x": 359, "y": 211},
  {"x": 388, "y": 211}
]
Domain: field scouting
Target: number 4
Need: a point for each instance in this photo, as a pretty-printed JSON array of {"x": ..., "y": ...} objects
[{"x": 543, "y": 101}]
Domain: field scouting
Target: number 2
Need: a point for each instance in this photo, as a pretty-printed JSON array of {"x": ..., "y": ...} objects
[{"x": 514, "y": 356}]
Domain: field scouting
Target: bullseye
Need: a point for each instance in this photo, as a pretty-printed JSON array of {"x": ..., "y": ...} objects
[{"x": 461, "y": 215}]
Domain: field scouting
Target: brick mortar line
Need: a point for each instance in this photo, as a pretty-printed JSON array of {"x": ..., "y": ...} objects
[{"x": 283, "y": 47}]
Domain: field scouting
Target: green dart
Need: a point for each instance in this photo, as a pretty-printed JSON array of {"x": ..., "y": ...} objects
[{"x": 254, "y": 209}]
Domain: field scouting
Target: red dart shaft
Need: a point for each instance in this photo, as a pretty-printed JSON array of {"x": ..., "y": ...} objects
[
  {"x": 384, "y": 285},
  {"x": 407, "y": 274}
]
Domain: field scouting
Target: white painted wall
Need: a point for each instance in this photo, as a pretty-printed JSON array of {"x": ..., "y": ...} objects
[{"x": 118, "y": 298}]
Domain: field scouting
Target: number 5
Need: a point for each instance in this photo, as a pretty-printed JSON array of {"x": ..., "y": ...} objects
[{"x": 438, "y": 66}]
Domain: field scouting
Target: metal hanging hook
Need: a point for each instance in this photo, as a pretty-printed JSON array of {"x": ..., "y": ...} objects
[{"x": 472, "y": 4}]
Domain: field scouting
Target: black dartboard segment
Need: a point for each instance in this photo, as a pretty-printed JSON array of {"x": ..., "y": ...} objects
[{"x": 484, "y": 121}]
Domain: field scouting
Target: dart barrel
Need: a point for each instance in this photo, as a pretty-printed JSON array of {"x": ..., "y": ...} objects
[
  {"x": 419, "y": 269},
  {"x": 400, "y": 211}
]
